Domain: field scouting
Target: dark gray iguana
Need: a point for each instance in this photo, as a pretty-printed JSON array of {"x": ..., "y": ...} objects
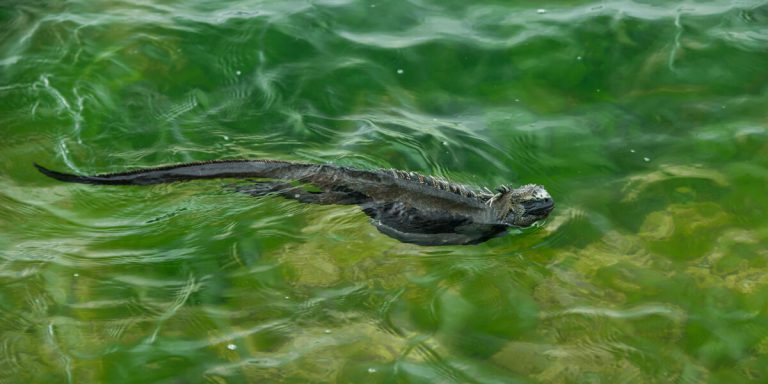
[{"x": 407, "y": 206}]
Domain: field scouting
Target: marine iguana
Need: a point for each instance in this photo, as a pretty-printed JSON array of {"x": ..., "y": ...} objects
[{"x": 408, "y": 206}]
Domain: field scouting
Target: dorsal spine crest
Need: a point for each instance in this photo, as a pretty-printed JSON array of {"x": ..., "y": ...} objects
[{"x": 441, "y": 184}]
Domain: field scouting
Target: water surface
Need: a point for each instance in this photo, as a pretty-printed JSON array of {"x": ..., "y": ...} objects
[{"x": 646, "y": 120}]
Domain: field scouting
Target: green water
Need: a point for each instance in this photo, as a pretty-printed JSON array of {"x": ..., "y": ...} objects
[{"x": 646, "y": 120}]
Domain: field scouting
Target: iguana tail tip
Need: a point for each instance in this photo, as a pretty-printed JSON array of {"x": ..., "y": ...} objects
[{"x": 58, "y": 175}]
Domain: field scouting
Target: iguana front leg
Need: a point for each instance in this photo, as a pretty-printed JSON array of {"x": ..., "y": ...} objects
[{"x": 288, "y": 191}]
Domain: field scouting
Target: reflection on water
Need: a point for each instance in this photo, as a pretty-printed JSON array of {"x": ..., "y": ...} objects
[{"x": 644, "y": 120}]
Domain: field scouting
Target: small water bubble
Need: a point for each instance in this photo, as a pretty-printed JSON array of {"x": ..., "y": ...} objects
[
  {"x": 541, "y": 11},
  {"x": 400, "y": 71},
  {"x": 225, "y": 137},
  {"x": 445, "y": 143},
  {"x": 578, "y": 58},
  {"x": 238, "y": 73},
  {"x": 632, "y": 150},
  {"x": 76, "y": 274},
  {"x": 371, "y": 370},
  {"x": 598, "y": 90},
  {"x": 287, "y": 297},
  {"x": 646, "y": 159},
  {"x": 327, "y": 331},
  {"x": 231, "y": 347},
  {"x": 517, "y": 100},
  {"x": 722, "y": 106}
]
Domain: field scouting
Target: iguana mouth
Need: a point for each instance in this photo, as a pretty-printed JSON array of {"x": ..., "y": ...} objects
[{"x": 539, "y": 207}]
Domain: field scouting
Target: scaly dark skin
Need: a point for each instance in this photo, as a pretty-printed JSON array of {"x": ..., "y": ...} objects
[{"x": 407, "y": 206}]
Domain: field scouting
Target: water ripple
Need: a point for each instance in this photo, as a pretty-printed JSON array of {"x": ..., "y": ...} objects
[{"x": 644, "y": 119}]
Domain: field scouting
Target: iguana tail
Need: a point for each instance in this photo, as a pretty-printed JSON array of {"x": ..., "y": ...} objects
[{"x": 272, "y": 169}]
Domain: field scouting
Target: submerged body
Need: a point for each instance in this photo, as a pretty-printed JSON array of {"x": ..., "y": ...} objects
[{"x": 407, "y": 206}]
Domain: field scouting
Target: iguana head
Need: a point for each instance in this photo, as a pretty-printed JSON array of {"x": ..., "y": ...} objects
[{"x": 521, "y": 207}]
